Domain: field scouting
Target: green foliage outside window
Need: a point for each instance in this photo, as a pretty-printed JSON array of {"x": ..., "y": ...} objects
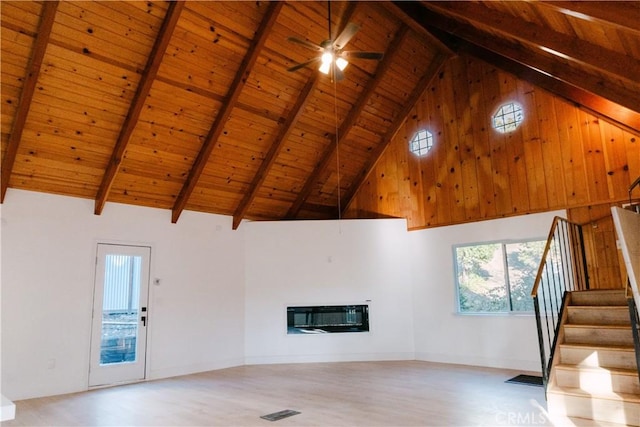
[{"x": 497, "y": 277}]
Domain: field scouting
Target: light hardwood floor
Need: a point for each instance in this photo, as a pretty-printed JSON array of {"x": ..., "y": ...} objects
[{"x": 409, "y": 393}]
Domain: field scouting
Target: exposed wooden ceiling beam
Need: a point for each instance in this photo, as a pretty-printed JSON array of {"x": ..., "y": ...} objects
[
  {"x": 40, "y": 46},
  {"x": 558, "y": 44},
  {"x": 349, "y": 121},
  {"x": 619, "y": 14},
  {"x": 274, "y": 150},
  {"x": 401, "y": 117},
  {"x": 415, "y": 26},
  {"x": 231, "y": 99},
  {"x": 137, "y": 103},
  {"x": 538, "y": 62},
  {"x": 284, "y": 133}
]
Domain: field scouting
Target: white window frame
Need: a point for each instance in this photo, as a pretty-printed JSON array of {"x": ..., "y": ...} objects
[
  {"x": 505, "y": 122},
  {"x": 507, "y": 284},
  {"x": 428, "y": 139}
]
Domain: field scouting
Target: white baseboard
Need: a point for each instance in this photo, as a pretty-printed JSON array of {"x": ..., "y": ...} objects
[
  {"x": 155, "y": 374},
  {"x": 522, "y": 365},
  {"x": 320, "y": 358}
]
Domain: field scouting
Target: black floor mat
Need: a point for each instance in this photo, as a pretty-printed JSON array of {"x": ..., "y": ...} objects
[
  {"x": 526, "y": 379},
  {"x": 279, "y": 415}
]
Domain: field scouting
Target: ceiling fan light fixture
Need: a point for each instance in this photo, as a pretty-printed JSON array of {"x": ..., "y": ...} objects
[
  {"x": 341, "y": 63},
  {"x": 327, "y": 59},
  {"x": 333, "y": 59}
]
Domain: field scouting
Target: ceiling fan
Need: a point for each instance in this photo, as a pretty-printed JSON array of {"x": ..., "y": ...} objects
[{"x": 333, "y": 59}]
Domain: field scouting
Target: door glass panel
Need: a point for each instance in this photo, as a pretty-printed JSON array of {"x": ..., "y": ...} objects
[{"x": 120, "y": 309}]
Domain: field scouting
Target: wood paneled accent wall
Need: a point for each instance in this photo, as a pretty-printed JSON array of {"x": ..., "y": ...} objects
[
  {"x": 560, "y": 157},
  {"x": 604, "y": 260}
]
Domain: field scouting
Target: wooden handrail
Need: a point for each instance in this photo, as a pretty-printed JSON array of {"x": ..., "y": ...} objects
[
  {"x": 552, "y": 232},
  {"x": 635, "y": 184}
]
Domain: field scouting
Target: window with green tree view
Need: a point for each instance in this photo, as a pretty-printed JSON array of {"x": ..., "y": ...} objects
[{"x": 497, "y": 277}]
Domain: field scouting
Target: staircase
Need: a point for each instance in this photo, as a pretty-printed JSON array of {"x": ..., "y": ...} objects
[{"x": 594, "y": 373}]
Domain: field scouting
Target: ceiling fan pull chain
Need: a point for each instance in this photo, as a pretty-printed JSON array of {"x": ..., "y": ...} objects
[{"x": 329, "y": 20}]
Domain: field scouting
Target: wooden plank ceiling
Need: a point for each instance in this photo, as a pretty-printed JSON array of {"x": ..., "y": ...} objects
[{"x": 189, "y": 105}]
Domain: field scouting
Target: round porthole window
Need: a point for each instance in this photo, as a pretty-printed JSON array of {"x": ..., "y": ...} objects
[
  {"x": 421, "y": 142},
  {"x": 508, "y": 117}
]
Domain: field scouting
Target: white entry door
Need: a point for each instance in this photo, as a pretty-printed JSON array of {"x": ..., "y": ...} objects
[{"x": 119, "y": 332}]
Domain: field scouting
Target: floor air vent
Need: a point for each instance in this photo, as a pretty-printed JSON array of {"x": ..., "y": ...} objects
[{"x": 279, "y": 415}]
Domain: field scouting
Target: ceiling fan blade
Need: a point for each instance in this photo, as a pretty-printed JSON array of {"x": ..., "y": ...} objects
[
  {"x": 340, "y": 18},
  {"x": 304, "y": 64},
  {"x": 362, "y": 55},
  {"x": 305, "y": 43},
  {"x": 349, "y": 31}
]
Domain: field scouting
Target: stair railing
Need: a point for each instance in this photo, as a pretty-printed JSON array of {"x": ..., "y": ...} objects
[
  {"x": 635, "y": 323},
  {"x": 634, "y": 313},
  {"x": 634, "y": 207},
  {"x": 563, "y": 269}
]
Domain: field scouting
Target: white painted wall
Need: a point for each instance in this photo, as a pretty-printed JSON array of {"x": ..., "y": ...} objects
[
  {"x": 328, "y": 262},
  {"x": 47, "y": 289},
  {"x": 443, "y": 335},
  {"x": 627, "y": 225},
  {"x": 223, "y": 294}
]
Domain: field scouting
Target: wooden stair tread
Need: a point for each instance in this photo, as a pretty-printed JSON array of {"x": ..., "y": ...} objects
[
  {"x": 618, "y": 371},
  {"x": 599, "y": 347},
  {"x": 586, "y": 325},
  {"x": 573, "y": 391},
  {"x": 594, "y": 373},
  {"x": 602, "y": 291},
  {"x": 599, "y": 297}
]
